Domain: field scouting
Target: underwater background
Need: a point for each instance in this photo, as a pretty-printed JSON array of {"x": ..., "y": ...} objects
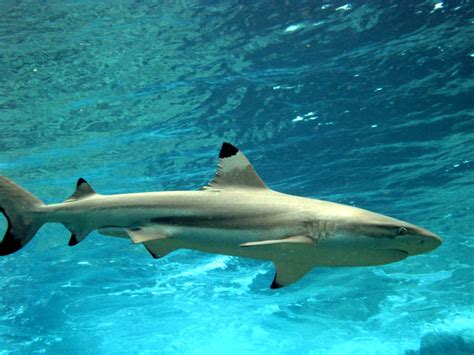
[{"x": 368, "y": 103}]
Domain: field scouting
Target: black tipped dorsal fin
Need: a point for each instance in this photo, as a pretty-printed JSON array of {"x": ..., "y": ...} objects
[
  {"x": 83, "y": 189},
  {"x": 234, "y": 170}
]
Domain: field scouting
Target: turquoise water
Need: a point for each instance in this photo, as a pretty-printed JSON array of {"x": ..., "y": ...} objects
[{"x": 364, "y": 103}]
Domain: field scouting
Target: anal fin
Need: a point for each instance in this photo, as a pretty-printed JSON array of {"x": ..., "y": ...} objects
[
  {"x": 76, "y": 238},
  {"x": 288, "y": 272},
  {"x": 77, "y": 234},
  {"x": 73, "y": 240}
]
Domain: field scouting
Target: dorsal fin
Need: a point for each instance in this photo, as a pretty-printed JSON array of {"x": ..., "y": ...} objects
[
  {"x": 234, "y": 170},
  {"x": 83, "y": 189}
]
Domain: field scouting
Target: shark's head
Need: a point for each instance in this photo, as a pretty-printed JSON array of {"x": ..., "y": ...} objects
[
  {"x": 386, "y": 233},
  {"x": 378, "y": 239},
  {"x": 392, "y": 234}
]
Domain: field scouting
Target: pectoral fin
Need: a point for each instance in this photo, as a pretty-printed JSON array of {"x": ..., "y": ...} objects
[
  {"x": 298, "y": 239},
  {"x": 287, "y": 272},
  {"x": 145, "y": 234}
]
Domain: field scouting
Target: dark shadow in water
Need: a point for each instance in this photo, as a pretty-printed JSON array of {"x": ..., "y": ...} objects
[{"x": 443, "y": 343}]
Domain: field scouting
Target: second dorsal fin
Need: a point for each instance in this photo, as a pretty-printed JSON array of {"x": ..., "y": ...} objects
[
  {"x": 234, "y": 170},
  {"x": 83, "y": 189}
]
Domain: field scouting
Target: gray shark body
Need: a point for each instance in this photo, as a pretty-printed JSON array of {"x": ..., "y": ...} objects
[{"x": 235, "y": 214}]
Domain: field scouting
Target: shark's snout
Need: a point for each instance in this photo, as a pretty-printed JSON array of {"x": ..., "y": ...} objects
[
  {"x": 429, "y": 241},
  {"x": 423, "y": 242}
]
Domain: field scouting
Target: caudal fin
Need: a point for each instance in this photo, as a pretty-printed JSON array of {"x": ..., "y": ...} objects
[{"x": 19, "y": 207}]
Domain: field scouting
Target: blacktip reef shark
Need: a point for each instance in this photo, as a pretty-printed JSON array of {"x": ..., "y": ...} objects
[{"x": 235, "y": 214}]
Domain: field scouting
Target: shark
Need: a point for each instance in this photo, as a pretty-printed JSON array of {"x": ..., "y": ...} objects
[{"x": 235, "y": 214}]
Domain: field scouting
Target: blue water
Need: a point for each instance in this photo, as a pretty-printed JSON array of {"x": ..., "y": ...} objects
[{"x": 365, "y": 103}]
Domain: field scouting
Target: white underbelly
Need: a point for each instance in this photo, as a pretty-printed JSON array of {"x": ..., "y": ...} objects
[{"x": 335, "y": 251}]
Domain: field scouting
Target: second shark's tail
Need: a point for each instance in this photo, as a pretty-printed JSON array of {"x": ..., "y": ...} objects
[{"x": 19, "y": 207}]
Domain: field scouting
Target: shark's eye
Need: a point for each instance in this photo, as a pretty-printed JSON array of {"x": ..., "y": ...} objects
[{"x": 401, "y": 231}]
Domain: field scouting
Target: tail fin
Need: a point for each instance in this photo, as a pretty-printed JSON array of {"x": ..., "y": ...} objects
[{"x": 18, "y": 206}]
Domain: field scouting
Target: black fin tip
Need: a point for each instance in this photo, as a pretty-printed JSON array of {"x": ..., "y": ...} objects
[
  {"x": 73, "y": 241},
  {"x": 275, "y": 284},
  {"x": 81, "y": 181},
  {"x": 9, "y": 245},
  {"x": 227, "y": 150},
  {"x": 151, "y": 253}
]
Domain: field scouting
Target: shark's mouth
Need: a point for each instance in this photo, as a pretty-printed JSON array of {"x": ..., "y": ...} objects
[
  {"x": 399, "y": 254},
  {"x": 392, "y": 254},
  {"x": 394, "y": 250},
  {"x": 401, "y": 251}
]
